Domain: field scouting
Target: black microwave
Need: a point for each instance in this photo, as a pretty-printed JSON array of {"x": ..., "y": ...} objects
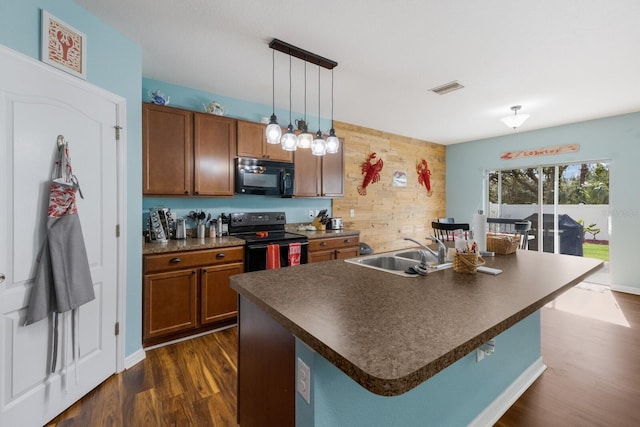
[{"x": 264, "y": 177}]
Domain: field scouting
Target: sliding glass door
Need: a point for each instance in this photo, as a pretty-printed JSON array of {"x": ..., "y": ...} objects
[{"x": 568, "y": 205}]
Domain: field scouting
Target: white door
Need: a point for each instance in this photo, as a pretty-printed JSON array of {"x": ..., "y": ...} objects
[{"x": 37, "y": 104}]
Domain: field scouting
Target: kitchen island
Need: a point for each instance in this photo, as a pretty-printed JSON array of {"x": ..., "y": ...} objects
[{"x": 385, "y": 349}]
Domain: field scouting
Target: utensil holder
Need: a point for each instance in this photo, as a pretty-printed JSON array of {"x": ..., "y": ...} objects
[
  {"x": 467, "y": 263},
  {"x": 200, "y": 231}
]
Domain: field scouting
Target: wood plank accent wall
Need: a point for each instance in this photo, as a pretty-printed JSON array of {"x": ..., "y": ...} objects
[{"x": 387, "y": 214}]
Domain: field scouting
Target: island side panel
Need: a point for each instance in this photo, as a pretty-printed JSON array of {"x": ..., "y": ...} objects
[
  {"x": 463, "y": 393},
  {"x": 266, "y": 369}
]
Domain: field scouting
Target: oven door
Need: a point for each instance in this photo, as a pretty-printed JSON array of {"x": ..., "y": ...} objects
[{"x": 256, "y": 254}]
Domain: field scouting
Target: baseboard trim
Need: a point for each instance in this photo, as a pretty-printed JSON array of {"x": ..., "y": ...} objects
[
  {"x": 134, "y": 359},
  {"x": 498, "y": 407},
  {"x": 626, "y": 289}
]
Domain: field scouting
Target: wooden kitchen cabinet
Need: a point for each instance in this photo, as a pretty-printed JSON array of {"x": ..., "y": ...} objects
[
  {"x": 187, "y": 153},
  {"x": 167, "y": 147},
  {"x": 185, "y": 293},
  {"x": 252, "y": 142},
  {"x": 319, "y": 176},
  {"x": 214, "y": 150},
  {"x": 329, "y": 248}
]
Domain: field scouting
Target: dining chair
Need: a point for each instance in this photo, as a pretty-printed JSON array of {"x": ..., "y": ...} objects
[
  {"x": 521, "y": 228},
  {"x": 445, "y": 231}
]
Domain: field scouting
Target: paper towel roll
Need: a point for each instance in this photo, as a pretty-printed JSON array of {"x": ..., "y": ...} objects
[{"x": 479, "y": 227}]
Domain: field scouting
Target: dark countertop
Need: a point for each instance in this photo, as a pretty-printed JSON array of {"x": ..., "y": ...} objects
[
  {"x": 391, "y": 333},
  {"x": 190, "y": 244}
]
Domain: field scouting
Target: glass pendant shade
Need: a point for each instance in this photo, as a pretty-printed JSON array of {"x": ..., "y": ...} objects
[
  {"x": 274, "y": 131},
  {"x": 289, "y": 140},
  {"x": 305, "y": 139},
  {"x": 318, "y": 146},
  {"x": 333, "y": 143},
  {"x": 515, "y": 121}
]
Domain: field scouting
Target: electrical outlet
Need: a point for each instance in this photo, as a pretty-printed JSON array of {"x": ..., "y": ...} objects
[
  {"x": 304, "y": 380},
  {"x": 311, "y": 215}
]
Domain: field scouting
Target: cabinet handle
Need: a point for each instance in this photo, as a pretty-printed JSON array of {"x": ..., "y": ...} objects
[
  {"x": 323, "y": 243},
  {"x": 186, "y": 191},
  {"x": 196, "y": 192},
  {"x": 220, "y": 255},
  {"x": 174, "y": 260}
]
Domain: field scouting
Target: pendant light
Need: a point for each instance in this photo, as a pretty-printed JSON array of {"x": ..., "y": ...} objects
[
  {"x": 318, "y": 146},
  {"x": 333, "y": 143},
  {"x": 289, "y": 140},
  {"x": 305, "y": 138},
  {"x": 273, "y": 131},
  {"x": 515, "y": 120}
]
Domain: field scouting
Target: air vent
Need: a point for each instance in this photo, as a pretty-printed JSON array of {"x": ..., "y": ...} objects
[{"x": 446, "y": 88}]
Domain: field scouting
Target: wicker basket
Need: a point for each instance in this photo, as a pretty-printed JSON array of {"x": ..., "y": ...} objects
[
  {"x": 502, "y": 243},
  {"x": 467, "y": 263}
]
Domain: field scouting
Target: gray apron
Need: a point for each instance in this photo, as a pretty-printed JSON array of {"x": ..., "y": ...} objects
[{"x": 63, "y": 278}]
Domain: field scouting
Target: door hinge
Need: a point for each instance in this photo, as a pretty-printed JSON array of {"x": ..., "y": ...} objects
[
  {"x": 117, "y": 128},
  {"x": 117, "y": 230},
  {"x": 117, "y": 329}
]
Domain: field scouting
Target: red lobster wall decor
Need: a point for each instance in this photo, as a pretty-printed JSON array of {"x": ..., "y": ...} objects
[
  {"x": 424, "y": 176},
  {"x": 371, "y": 173}
]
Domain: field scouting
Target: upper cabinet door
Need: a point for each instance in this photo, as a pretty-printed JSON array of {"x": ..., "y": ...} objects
[
  {"x": 214, "y": 150},
  {"x": 333, "y": 173},
  {"x": 307, "y": 174},
  {"x": 167, "y": 138},
  {"x": 252, "y": 142}
]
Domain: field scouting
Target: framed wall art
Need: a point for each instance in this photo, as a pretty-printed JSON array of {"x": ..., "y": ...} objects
[{"x": 63, "y": 46}]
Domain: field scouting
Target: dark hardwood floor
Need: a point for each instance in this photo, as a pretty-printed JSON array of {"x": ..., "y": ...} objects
[{"x": 593, "y": 375}]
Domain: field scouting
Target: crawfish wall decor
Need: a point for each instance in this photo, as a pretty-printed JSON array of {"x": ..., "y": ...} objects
[
  {"x": 371, "y": 172},
  {"x": 424, "y": 176}
]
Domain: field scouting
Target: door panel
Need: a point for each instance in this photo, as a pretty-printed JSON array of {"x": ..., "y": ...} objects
[{"x": 37, "y": 104}]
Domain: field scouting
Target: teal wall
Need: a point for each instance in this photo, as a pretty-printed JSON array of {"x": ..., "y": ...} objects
[
  {"x": 612, "y": 138},
  {"x": 113, "y": 63},
  {"x": 453, "y": 397}
]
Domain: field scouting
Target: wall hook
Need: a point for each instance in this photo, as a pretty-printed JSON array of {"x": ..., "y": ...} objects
[{"x": 61, "y": 141}]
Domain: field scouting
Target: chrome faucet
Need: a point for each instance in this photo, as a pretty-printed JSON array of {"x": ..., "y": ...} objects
[{"x": 442, "y": 250}]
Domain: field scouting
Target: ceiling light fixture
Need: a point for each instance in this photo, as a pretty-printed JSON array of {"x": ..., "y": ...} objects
[
  {"x": 305, "y": 138},
  {"x": 289, "y": 139},
  {"x": 318, "y": 146},
  {"x": 274, "y": 131},
  {"x": 515, "y": 120},
  {"x": 333, "y": 143}
]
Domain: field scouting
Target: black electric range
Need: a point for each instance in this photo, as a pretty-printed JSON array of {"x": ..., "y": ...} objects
[{"x": 260, "y": 229}]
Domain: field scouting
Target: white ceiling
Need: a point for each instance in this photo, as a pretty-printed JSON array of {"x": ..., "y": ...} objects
[{"x": 563, "y": 61}]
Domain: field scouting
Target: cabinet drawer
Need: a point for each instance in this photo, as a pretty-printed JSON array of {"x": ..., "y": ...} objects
[
  {"x": 189, "y": 259},
  {"x": 333, "y": 243}
]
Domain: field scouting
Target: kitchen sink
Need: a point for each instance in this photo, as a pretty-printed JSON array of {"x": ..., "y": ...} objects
[
  {"x": 389, "y": 263},
  {"x": 398, "y": 262}
]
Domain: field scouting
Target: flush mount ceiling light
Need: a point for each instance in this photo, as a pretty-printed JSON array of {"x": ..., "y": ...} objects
[
  {"x": 515, "y": 120},
  {"x": 289, "y": 141}
]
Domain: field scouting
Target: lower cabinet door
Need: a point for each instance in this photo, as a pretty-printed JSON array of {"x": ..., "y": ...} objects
[
  {"x": 170, "y": 303},
  {"x": 321, "y": 256},
  {"x": 218, "y": 300},
  {"x": 346, "y": 253}
]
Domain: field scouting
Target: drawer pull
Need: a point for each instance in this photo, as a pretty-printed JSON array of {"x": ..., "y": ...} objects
[
  {"x": 175, "y": 260},
  {"x": 220, "y": 255},
  {"x": 347, "y": 240},
  {"x": 323, "y": 243}
]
